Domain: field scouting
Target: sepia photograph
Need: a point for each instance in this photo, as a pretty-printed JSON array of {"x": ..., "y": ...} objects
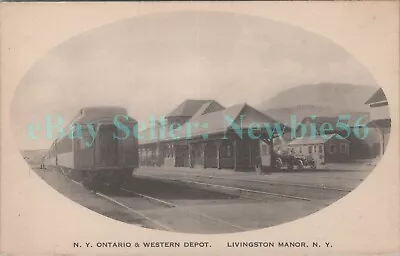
[
  {"x": 201, "y": 122},
  {"x": 205, "y": 128}
]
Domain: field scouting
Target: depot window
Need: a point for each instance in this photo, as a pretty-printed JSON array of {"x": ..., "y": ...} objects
[
  {"x": 226, "y": 149},
  {"x": 343, "y": 148},
  {"x": 264, "y": 149},
  {"x": 332, "y": 149}
]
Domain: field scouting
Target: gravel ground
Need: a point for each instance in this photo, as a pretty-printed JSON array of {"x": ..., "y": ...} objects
[{"x": 195, "y": 208}]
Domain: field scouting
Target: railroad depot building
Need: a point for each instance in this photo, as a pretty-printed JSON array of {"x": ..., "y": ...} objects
[
  {"x": 203, "y": 133},
  {"x": 323, "y": 149},
  {"x": 361, "y": 137},
  {"x": 379, "y": 120},
  {"x": 307, "y": 140}
]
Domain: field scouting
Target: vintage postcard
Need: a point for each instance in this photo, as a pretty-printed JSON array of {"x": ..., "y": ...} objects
[{"x": 200, "y": 128}]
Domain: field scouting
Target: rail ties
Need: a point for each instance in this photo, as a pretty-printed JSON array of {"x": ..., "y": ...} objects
[
  {"x": 181, "y": 208},
  {"x": 157, "y": 200},
  {"x": 154, "y": 222},
  {"x": 164, "y": 203},
  {"x": 153, "y": 199}
]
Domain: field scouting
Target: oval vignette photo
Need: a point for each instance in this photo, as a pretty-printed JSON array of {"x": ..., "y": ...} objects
[{"x": 201, "y": 122}]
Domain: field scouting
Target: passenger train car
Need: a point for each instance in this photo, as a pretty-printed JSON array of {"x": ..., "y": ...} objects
[{"x": 100, "y": 158}]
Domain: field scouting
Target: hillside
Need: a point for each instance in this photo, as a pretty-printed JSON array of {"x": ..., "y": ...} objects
[{"x": 327, "y": 99}]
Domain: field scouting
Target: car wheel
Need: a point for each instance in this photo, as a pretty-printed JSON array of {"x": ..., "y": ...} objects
[
  {"x": 278, "y": 163},
  {"x": 300, "y": 164}
]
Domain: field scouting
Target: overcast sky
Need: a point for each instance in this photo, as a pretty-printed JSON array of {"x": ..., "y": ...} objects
[{"x": 151, "y": 64}]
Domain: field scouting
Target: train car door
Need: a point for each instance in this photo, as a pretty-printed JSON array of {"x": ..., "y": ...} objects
[
  {"x": 106, "y": 147},
  {"x": 128, "y": 149},
  {"x": 265, "y": 153},
  {"x": 83, "y": 156}
]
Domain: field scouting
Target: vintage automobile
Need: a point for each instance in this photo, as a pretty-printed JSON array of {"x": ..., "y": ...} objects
[{"x": 290, "y": 161}]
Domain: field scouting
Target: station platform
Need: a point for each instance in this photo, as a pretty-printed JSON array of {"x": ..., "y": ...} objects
[{"x": 343, "y": 176}]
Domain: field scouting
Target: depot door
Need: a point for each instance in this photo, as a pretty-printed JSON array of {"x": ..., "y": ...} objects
[{"x": 265, "y": 153}]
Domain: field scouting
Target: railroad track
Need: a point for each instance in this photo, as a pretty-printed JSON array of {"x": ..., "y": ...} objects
[
  {"x": 172, "y": 210},
  {"x": 173, "y": 205},
  {"x": 251, "y": 191},
  {"x": 261, "y": 181},
  {"x": 156, "y": 223}
]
